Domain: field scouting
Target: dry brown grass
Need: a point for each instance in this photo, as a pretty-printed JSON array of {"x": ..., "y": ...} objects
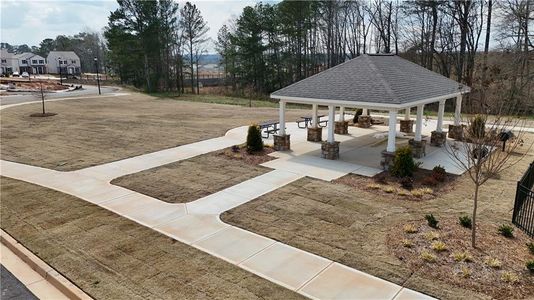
[
  {"x": 351, "y": 224},
  {"x": 191, "y": 179},
  {"x": 111, "y": 257},
  {"x": 89, "y": 132}
]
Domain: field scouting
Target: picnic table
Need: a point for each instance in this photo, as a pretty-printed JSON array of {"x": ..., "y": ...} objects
[
  {"x": 307, "y": 120},
  {"x": 268, "y": 127}
]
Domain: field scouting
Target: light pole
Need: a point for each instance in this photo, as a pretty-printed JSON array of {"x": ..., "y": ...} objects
[
  {"x": 60, "y": 77},
  {"x": 97, "y": 76}
]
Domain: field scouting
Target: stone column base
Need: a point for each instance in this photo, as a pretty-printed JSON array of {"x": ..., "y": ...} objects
[
  {"x": 281, "y": 142},
  {"x": 387, "y": 159},
  {"x": 364, "y": 121},
  {"x": 456, "y": 132},
  {"x": 406, "y": 126},
  {"x": 438, "y": 138},
  {"x": 342, "y": 127},
  {"x": 418, "y": 148},
  {"x": 330, "y": 150},
  {"x": 315, "y": 134}
]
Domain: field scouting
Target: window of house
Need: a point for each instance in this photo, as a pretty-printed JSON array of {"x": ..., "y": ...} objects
[
  {"x": 64, "y": 62},
  {"x": 41, "y": 61},
  {"x": 73, "y": 61},
  {"x": 24, "y": 61},
  {"x": 4, "y": 61},
  {"x": 34, "y": 61}
]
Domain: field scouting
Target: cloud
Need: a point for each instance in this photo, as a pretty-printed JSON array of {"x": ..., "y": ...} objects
[{"x": 50, "y": 18}]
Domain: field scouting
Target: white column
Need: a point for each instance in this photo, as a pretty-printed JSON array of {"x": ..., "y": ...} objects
[
  {"x": 407, "y": 114},
  {"x": 392, "y": 130},
  {"x": 441, "y": 112},
  {"x": 341, "y": 113},
  {"x": 315, "y": 119},
  {"x": 419, "y": 122},
  {"x": 457, "y": 110},
  {"x": 282, "y": 117},
  {"x": 331, "y": 121}
]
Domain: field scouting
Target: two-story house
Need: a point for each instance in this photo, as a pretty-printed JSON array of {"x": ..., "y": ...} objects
[
  {"x": 31, "y": 63},
  {"x": 64, "y": 62},
  {"x": 7, "y": 65}
]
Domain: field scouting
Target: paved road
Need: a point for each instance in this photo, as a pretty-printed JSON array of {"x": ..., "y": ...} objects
[
  {"x": 12, "y": 288},
  {"x": 87, "y": 90}
]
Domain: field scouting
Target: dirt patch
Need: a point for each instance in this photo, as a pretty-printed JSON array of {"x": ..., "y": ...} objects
[
  {"x": 351, "y": 225},
  {"x": 41, "y": 115},
  {"x": 33, "y": 84},
  {"x": 240, "y": 153},
  {"x": 423, "y": 185},
  {"x": 487, "y": 269},
  {"x": 110, "y": 257},
  {"x": 92, "y": 131},
  {"x": 194, "y": 178}
]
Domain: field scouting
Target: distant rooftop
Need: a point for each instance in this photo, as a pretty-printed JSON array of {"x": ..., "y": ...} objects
[{"x": 382, "y": 79}]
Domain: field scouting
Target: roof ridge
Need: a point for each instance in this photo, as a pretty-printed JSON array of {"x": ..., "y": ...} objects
[{"x": 383, "y": 81}]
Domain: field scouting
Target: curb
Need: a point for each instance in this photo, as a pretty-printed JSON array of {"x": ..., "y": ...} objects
[{"x": 61, "y": 283}]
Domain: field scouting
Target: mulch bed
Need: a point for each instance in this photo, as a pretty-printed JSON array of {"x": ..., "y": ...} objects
[
  {"x": 476, "y": 275},
  {"x": 41, "y": 115},
  {"x": 387, "y": 185},
  {"x": 239, "y": 152}
]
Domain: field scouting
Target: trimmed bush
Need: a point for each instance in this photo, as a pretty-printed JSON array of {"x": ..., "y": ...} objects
[
  {"x": 439, "y": 174},
  {"x": 465, "y": 221},
  {"x": 254, "y": 141},
  {"x": 431, "y": 220},
  {"x": 506, "y": 231},
  {"x": 403, "y": 163}
]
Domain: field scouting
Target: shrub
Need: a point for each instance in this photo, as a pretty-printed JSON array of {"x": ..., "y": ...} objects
[
  {"x": 410, "y": 228},
  {"x": 431, "y": 235},
  {"x": 389, "y": 189},
  {"x": 509, "y": 277},
  {"x": 427, "y": 256},
  {"x": 407, "y": 183},
  {"x": 358, "y": 113},
  {"x": 403, "y": 163},
  {"x": 462, "y": 256},
  {"x": 493, "y": 263},
  {"x": 407, "y": 243},
  {"x": 235, "y": 148},
  {"x": 254, "y": 141},
  {"x": 466, "y": 273},
  {"x": 439, "y": 246},
  {"x": 374, "y": 186},
  {"x": 531, "y": 247},
  {"x": 465, "y": 221},
  {"x": 429, "y": 181},
  {"x": 530, "y": 265},
  {"x": 438, "y": 173},
  {"x": 506, "y": 231},
  {"x": 403, "y": 193},
  {"x": 477, "y": 127},
  {"x": 431, "y": 220},
  {"x": 418, "y": 193}
]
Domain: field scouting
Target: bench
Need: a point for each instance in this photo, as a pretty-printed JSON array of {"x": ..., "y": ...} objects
[
  {"x": 307, "y": 120},
  {"x": 268, "y": 127}
]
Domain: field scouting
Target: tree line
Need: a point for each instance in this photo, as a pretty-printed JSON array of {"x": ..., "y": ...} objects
[
  {"x": 155, "y": 44},
  {"x": 272, "y": 45},
  {"x": 87, "y": 45}
]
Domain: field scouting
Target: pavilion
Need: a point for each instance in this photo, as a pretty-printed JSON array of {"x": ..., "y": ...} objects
[{"x": 382, "y": 82}]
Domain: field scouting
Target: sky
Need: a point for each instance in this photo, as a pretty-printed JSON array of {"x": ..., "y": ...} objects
[{"x": 31, "y": 21}]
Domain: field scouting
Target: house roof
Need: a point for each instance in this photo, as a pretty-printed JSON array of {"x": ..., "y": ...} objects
[
  {"x": 26, "y": 55},
  {"x": 64, "y": 54},
  {"x": 383, "y": 80}
]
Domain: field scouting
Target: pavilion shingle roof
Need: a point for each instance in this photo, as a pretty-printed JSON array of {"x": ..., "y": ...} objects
[{"x": 382, "y": 79}]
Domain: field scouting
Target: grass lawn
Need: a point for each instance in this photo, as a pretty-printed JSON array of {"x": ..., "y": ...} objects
[
  {"x": 110, "y": 257},
  {"x": 89, "y": 132},
  {"x": 354, "y": 226},
  {"x": 191, "y": 179}
]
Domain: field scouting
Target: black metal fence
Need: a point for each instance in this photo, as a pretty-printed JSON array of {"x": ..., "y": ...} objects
[{"x": 523, "y": 216}]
